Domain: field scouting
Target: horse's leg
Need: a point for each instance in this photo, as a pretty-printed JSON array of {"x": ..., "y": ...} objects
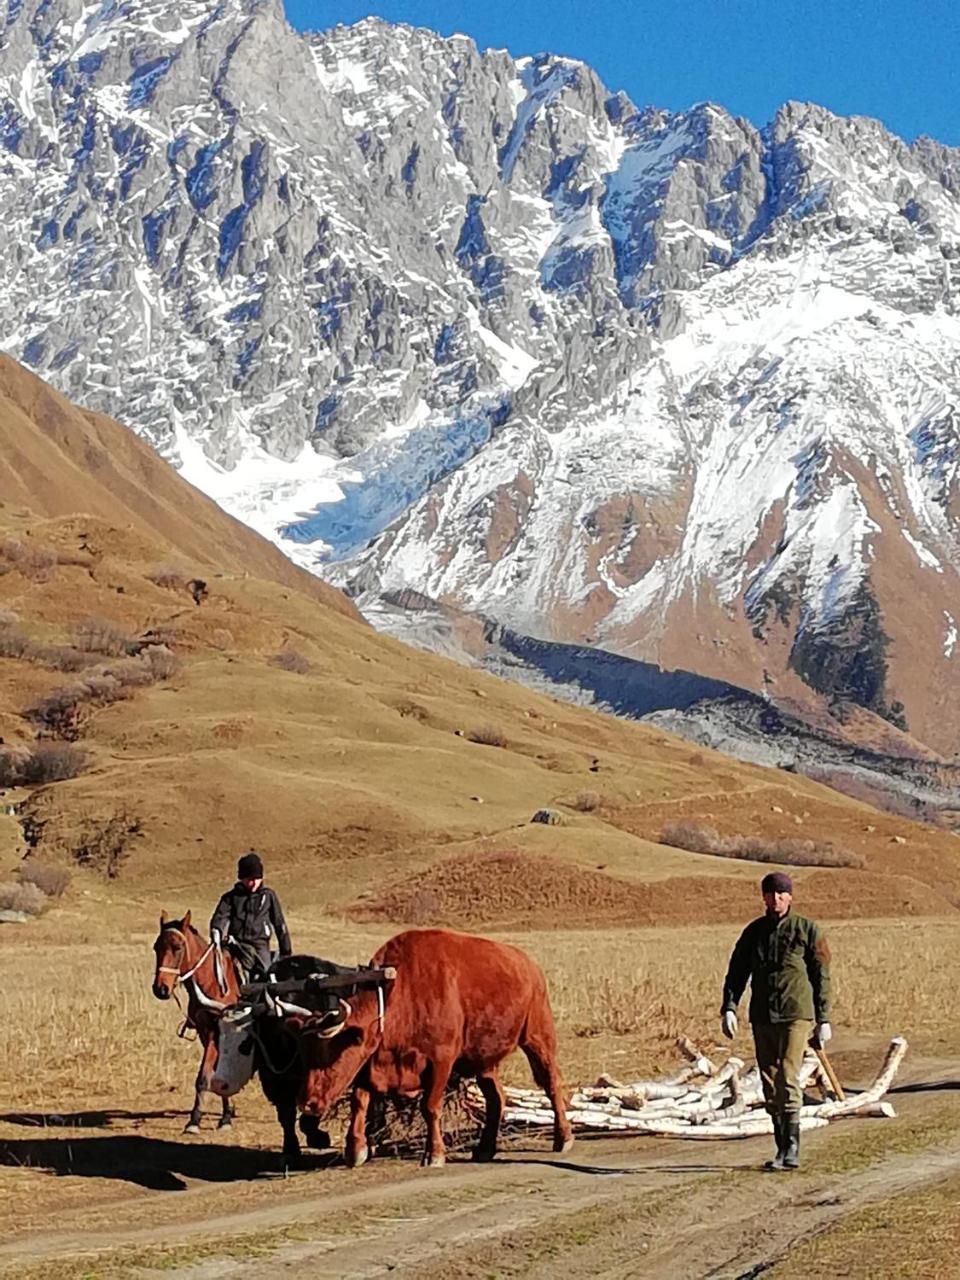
[
  {"x": 287, "y": 1115},
  {"x": 202, "y": 1084},
  {"x": 357, "y": 1152},
  {"x": 489, "y": 1084},
  {"x": 437, "y": 1073}
]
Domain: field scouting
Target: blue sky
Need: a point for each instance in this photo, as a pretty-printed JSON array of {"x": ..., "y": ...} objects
[{"x": 898, "y": 61}]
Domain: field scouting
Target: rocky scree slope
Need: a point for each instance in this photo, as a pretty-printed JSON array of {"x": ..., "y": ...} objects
[{"x": 432, "y": 318}]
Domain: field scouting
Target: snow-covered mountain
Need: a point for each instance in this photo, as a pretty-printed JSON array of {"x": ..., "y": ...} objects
[{"x": 444, "y": 320}]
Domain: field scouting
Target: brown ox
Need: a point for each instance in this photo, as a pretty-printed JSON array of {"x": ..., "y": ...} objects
[{"x": 458, "y": 1004}]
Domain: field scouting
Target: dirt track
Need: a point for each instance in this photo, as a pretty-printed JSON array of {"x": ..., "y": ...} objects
[{"x": 133, "y": 1201}]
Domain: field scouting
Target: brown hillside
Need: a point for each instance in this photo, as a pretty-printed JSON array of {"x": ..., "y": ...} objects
[
  {"x": 508, "y": 889},
  {"x": 57, "y": 460},
  {"x": 353, "y": 762}
]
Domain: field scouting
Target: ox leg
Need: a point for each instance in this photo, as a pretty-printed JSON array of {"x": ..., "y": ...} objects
[
  {"x": 202, "y": 1083},
  {"x": 543, "y": 1064},
  {"x": 492, "y": 1091},
  {"x": 357, "y": 1152},
  {"x": 228, "y": 1114},
  {"x": 438, "y": 1073},
  {"x": 287, "y": 1115}
]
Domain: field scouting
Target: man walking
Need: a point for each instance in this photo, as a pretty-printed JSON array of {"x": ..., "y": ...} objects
[
  {"x": 247, "y": 913},
  {"x": 786, "y": 959}
]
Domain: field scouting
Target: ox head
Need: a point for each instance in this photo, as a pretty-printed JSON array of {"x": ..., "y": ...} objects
[
  {"x": 236, "y": 1051},
  {"x": 170, "y": 950},
  {"x": 334, "y": 1048}
]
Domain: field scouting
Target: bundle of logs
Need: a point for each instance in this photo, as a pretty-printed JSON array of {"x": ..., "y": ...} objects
[{"x": 701, "y": 1101}]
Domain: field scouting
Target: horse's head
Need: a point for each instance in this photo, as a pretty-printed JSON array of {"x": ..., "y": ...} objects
[{"x": 172, "y": 949}]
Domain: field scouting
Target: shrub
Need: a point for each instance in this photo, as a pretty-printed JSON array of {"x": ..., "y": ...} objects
[
  {"x": 786, "y": 849},
  {"x": 164, "y": 664},
  {"x": 96, "y": 635},
  {"x": 14, "y": 644},
  {"x": 291, "y": 660},
  {"x": 129, "y": 673},
  {"x": 53, "y": 762},
  {"x": 32, "y": 560},
  {"x": 11, "y": 765},
  {"x": 488, "y": 735},
  {"x": 103, "y": 844},
  {"x": 63, "y": 657},
  {"x": 23, "y": 897},
  {"x": 168, "y": 576},
  {"x": 50, "y": 880},
  {"x": 48, "y": 762},
  {"x": 587, "y": 801},
  {"x": 413, "y": 710}
]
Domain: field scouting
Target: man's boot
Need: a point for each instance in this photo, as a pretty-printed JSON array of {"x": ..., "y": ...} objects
[
  {"x": 791, "y": 1150},
  {"x": 776, "y": 1164}
]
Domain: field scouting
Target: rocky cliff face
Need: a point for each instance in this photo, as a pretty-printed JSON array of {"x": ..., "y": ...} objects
[{"x": 445, "y": 320}]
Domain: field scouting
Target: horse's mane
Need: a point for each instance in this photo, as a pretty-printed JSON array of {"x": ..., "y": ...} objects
[{"x": 178, "y": 924}]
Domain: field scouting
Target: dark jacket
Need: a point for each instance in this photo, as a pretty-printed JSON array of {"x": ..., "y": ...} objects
[
  {"x": 249, "y": 917},
  {"x": 787, "y": 962}
]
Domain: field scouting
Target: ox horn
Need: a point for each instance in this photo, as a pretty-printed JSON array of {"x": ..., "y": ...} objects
[
  {"x": 327, "y": 1033},
  {"x": 296, "y": 1009},
  {"x": 206, "y": 1001}
]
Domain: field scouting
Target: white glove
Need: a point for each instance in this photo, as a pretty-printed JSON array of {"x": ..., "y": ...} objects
[
  {"x": 729, "y": 1023},
  {"x": 215, "y": 938},
  {"x": 824, "y": 1034}
]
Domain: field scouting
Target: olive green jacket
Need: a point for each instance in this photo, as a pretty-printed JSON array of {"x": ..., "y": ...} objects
[{"x": 787, "y": 962}]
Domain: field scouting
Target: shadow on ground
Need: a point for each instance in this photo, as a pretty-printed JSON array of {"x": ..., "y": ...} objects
[
  {"x": 83, "y": 1119},
  {"x": 154, "y": 1163}
]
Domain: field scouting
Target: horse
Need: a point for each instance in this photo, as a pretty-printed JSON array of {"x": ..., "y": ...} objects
[{"x": 185, "y": 956}]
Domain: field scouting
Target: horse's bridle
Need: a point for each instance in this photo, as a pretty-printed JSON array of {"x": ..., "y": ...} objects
[{"x": 177, "y": 970}]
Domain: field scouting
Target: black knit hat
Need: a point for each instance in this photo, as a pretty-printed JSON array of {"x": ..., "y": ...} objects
[
  {"x": 250, "y": 867},
  {"x": 776, "y": 882}
]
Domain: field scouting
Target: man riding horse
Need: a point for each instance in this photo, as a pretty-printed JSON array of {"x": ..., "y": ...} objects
[{"x": 245, "y": 916}]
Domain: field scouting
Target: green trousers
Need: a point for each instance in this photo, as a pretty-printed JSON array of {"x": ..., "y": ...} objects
[{"x": 780, "y": 1047}]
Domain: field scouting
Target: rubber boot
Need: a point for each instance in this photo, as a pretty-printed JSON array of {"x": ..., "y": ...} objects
[
  {"x": 779, "y": 1133},
  {"x": 791, "y": 1151}
]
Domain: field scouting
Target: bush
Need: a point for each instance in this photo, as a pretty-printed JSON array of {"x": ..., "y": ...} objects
[
  {"x": 412, "y": 710},
  {"x": 62, "y": 657},
  {"x": 291, "y": 660},
  {"x": 168, "y": 576},
  {"x": 96, "y": 635},
  {"x": 587, "y": 801},
  {"x": 50, "y": 880},
  {"x": 48, "y": 762},
  {"x": 32, "y": 560},
  {"x": 53, "y": 762},
  {"x": 14, "y": 644},
  {"x": 488, "y": 735},
  {"x": 164, "y": 664},
  {"x": 789, "y": 849},
  {"x": 11, "y": 765},
  {"x": 23, "y": 897},
  {"x": 103, "y": 844}
]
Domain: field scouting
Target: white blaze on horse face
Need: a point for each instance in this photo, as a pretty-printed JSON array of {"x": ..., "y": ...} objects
[{"x": 235, "y": 1054}]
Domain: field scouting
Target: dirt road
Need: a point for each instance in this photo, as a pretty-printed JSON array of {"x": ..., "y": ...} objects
[{"x": 133, "y": 1196}]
